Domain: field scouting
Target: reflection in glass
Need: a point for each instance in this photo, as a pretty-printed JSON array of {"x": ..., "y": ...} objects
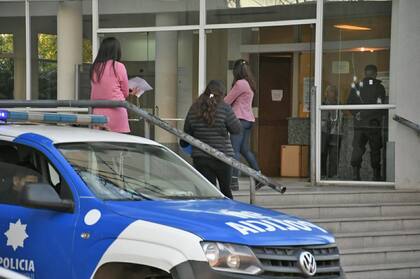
[
  {"x": 146, "y": 13},
  {"x": 355, "y": 151},
  {"x": 332, "y": 133},
  {"x": 356, "y": 34},
  {"x": 130, "y": 171},
  {"x": 236, "y": 11}
]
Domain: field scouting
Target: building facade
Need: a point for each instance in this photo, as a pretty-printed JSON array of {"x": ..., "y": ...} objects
[{"x": 306, "y": 55}]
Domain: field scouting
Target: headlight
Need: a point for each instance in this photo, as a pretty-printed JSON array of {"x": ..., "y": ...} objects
[{"x": 231, "y": 258}]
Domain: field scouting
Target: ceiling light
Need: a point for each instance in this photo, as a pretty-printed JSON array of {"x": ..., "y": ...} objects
[{"x": 352, "y": 27}]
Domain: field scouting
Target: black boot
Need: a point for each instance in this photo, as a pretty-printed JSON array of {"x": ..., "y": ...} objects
[
  {"x": 377, "y": 174},
  {"x": 356, "y": 174},
  {"x": 234, "y": 184}
]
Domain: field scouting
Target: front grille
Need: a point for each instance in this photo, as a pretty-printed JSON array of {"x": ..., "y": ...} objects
[{"x": 283, "y": 262}]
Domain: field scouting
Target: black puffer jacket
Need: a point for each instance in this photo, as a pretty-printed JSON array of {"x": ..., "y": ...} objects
[
  {"x": 371, "y": 92},
  {"x": 217, "y": 136}
]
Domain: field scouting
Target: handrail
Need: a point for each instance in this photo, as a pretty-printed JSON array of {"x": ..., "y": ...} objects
[
  {"x": 262, "y": 179},
  {"x": 408, "y": 123}
]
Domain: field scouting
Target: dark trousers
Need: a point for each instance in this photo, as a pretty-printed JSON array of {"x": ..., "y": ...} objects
[
  {"x": 213, "y": 170},
  {"x": 330, "y": 152},
  {"x": 240, "y": 144},
  {"x": 362, "y": 136}
]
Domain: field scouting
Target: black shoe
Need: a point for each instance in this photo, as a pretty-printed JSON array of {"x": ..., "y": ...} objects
[
  {"x": 356, "y": 174},
  {"x": 234, "y": 184}
]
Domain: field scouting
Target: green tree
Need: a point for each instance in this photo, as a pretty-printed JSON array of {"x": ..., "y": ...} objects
[
  {"x": 6, "y": 43},
  {"x": 47, "y": 47},
  {"x": 6, "y": 66}
]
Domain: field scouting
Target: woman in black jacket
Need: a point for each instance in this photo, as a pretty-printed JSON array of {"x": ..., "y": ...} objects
[{"x": 212, "y": 121}]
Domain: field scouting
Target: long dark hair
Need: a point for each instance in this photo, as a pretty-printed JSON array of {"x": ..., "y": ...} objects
[
  {"x": 207, "y": 103},
  {"x": 110, "y": 49},
  {"x": 241, "y": 70}
]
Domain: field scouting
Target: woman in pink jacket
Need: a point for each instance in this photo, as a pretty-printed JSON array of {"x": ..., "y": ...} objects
[
  {"x": 240, "y": 98},
  {"x": 109, "y": 81}
]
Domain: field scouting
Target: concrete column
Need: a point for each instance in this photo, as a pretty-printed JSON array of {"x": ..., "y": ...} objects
[
  {"x": 20, "y": 63},
  {"x": 404, "y": 90},
  {"x": 166, "y": 68},
  {"x": 69, "y": 47}
]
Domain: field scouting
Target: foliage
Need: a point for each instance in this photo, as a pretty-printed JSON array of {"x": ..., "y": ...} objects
[
  {"x": 6, "y": 43},
  {"x": 87, "y": 51},
  {"x": 6, "y": 78},
  {"x": 47, "y": 47}
]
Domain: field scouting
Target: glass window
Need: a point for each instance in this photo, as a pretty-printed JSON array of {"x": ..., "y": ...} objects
[
  {"x": 144, "y": 13},
  {"x": 356, "y": 34},
  {"x": 44, "y": 47},
  {"x": 47, "y": 66},
  {"x": 44, "y": 18},
  {"x": 356, "y": 55},
  {"x": 168, "y": 61},
  {"x": 12, "y": 50},
  {"x": 130, "y": 171},
  {"x": 83, "y": 77},
  {"x": 353, "y": 149},
  {"x": 238, "y": 11},
  {"x": 21, "y": 165},
  {"x": 281, "y": 60}
]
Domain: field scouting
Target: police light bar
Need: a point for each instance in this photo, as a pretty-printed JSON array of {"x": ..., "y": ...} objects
[
  {"x": 86, "y": 119},
  {"x": 4, "y": 114}
]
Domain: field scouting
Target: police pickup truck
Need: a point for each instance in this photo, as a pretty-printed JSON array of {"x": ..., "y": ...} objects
[{"x": 83, "y": 203}]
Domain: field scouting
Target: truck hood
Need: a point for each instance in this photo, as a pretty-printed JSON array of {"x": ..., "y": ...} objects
[{"x": 226, "y": 221}]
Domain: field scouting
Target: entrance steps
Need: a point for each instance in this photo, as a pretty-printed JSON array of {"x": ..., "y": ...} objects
[{"x": 377, "y": 229}]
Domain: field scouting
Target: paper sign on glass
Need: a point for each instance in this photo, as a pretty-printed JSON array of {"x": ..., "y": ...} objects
[
  {"x": 277, "y": 94},
  {"x": 140, "y": 83}
]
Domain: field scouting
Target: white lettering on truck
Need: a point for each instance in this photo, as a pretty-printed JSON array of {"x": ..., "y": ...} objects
[
  {"x": 23, "y": 265},
  {"x": 246, "y": 227}
]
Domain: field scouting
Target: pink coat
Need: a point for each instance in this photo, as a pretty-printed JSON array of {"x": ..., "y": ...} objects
[
  {"x": 112, "y": 86},
  {"x": 240, "y": 98}
]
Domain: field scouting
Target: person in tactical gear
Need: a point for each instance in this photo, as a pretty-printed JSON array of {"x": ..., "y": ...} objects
[{"x": 367, "y": 123}]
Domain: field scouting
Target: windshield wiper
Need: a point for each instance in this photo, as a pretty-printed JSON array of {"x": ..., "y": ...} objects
[{"x": 134, "y": 193}]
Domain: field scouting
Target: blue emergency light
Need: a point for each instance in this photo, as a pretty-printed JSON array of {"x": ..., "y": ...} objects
[
  {"x": 86, "y": 119},
  {"x": 4, "y": 114}
]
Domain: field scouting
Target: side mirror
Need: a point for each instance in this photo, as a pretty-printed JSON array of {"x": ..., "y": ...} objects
[{"x": 42, "y": 195}]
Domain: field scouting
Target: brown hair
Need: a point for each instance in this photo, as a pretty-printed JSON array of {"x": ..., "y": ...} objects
[
  {"x": 207, "y": 103},
  {"x": 241, "y": 70}
]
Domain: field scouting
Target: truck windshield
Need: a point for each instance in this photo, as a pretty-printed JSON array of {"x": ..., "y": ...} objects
[{"x": 132, "y": 171}]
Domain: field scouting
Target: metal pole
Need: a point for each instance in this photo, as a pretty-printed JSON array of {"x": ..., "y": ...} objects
[
  {"x": 146, "y": 129},
  {"x": 155, "y": 121},
  {"x": 313, "y": 136},
  {"x": 76, "y": 81},
  {"x": 252, "y": 191},
  {"x": 408, "y": 123}
]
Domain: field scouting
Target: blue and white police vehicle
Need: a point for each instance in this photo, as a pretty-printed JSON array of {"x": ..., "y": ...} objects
[{"x": 84, "y": 203}]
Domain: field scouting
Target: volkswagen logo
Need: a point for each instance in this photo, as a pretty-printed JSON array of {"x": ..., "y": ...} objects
[{"x": 307, "y": 264}]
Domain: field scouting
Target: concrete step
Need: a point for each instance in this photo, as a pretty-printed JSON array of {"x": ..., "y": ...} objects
[
  {"x": 315, "y": 211},
  {"x": 366, "y": 224},
  {"x": 380, "y": 255},
  {"x": 272, "y": 198},
  {"x": 410, "y": 270},
  {"x": 377, "y": 239}
]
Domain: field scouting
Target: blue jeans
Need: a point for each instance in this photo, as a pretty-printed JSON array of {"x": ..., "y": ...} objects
[{"x": 240, "y": 144}]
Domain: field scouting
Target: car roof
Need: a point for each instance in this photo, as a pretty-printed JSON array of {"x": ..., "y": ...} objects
[{"x": 66, "y": 134}]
